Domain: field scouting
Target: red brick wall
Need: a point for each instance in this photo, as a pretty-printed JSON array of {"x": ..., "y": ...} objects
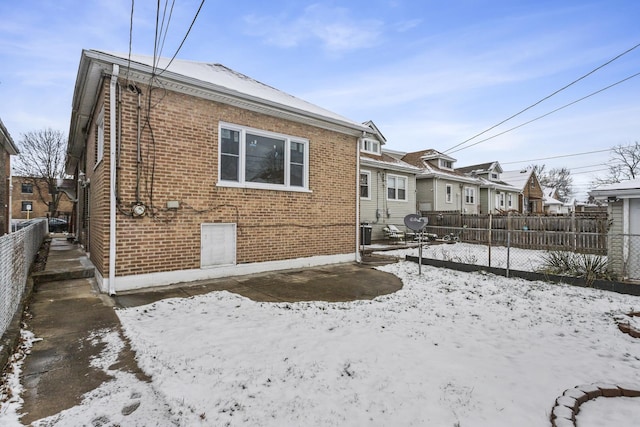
[{"x": 180, "y": 163}]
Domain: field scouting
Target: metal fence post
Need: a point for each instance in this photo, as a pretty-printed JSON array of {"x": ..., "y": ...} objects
[{"x": 489, "y": 243}]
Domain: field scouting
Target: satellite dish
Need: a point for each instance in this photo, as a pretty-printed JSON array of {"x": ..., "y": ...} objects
[{"x": 415, "y": 222}]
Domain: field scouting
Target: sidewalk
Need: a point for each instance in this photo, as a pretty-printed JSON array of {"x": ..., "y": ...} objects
[{"x": 66, "y": 310}]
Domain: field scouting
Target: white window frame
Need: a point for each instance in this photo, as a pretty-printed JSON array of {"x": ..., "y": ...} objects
[
  {"x": 469, "y": 195},
  {"x": 494, "y": 176},
  {"x": 406, "y": 188},
  {"x": 501, "y": 199},
  {"x": 368, "y": 173},
  {"x": 288, "y": 140},
  {"x": 100, "y": 137},
  {"x": 510, "y": 200},
  {"x": 448, "y": 193},
  {"x": 446, "y": 164},
  {"x": 368, "y": 145}
]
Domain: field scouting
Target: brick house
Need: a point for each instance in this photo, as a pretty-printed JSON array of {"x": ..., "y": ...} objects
[
  {"x": 196, "y": 171},
  {"x": 31, "y": 198},
  {"x": 7, "y": 149}
]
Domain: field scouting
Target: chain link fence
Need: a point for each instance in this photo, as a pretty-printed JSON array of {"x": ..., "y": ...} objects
[
  {"x": 17, "y": 252},
  {"x": 578, "y": 254}
]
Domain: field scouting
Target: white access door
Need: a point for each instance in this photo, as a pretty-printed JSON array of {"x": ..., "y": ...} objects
[
  {"x": 634, "y": 239},
  {"x": 217, "y": 245}
]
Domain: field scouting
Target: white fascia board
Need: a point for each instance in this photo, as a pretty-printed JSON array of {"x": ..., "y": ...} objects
[{"x": 195, "y": 87}]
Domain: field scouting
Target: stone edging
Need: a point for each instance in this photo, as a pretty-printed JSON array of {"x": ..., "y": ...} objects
[
  {"x": 567, "y": 406},
  {"x": 625, "y": 326}
]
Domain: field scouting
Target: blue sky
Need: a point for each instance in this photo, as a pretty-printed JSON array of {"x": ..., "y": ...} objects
[{"x": 429, "y": 74}]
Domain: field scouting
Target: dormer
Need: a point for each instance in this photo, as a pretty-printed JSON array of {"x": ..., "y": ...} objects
[
  {"x": 439, "y": 160},
  {"x": 369, "y": 145},
  {"x": 372, "y": 142},
  {"x": 489, "y": 171}
]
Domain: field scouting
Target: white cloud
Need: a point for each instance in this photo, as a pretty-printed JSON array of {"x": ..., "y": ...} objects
[{"x": 333, "y": 27}]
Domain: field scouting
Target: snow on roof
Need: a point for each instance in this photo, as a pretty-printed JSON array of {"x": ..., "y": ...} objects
[
  {"x": 632, "y": 184},
  {"x": 224, "y": 77},
  {"x": 628, "y": 189},
  {"x": 517, "y": 178},
  {"x": 389, "y": 162}
]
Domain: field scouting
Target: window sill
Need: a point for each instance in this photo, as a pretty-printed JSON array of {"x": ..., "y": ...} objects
[{"x": 254, "y": 186}]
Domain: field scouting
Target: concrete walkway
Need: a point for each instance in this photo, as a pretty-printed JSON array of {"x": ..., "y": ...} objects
[{"x": 66, "y": 310}]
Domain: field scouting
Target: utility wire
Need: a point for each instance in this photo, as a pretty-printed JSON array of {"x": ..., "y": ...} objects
[
  {"x": 166, "y": 29},
  {"x": 130, "y": 40},
  {"x": 558, "y": 157},
  {"x": 184, "y": 39},
  {"x": 543, "y": 99},
  {"x": 547, "y": 114}
]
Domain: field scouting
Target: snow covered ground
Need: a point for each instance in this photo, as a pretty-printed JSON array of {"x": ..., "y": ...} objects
[
  {"x": 449, "y": 349},
  {"x": 467, "y": 253}
]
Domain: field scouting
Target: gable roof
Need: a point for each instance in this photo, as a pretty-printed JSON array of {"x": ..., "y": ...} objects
[
  {"x": 517, "y": 178},
  {"x": 419, "y": 160},
  {"x": 386, "y": 161},
  {"x": 6, "y": 141},
  {"x": 481, "y": 168},
  {"x": 370, "y": 124},
  {"x": 207, "y": 80}
]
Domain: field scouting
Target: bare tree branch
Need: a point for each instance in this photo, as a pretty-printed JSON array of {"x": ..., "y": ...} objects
[
  {"x": 41, "y": 162},
  {"x": 623, "y": 165}
]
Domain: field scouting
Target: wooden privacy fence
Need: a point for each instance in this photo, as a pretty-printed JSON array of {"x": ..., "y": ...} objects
[{"x": 574, "y": 233}]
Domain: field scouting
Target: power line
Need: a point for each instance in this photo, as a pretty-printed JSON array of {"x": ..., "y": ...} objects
[
  {"x": 548, "y": 114},
  {"x": 184, "y": 39},
  {"x": 560, "y": 156},
  {"x": 543, "y": 99},
  {"x": 130, "y": 38}
]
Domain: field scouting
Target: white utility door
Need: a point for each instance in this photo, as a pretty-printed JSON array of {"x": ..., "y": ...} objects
[
  {"x": 217, "y": 245},
  {"x": 634, "y": 239}
]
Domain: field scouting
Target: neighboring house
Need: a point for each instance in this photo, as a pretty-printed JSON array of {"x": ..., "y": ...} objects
[
  {"x": 7, "y": 149},
  {"x": 623, "y": 201},
  {"x": 496, "y": 196},
  {"x": 531, "y": 196},
  {"x": 31, "y": 199},
  {"x": 197, "y": 171},
  {"x": 440, "y": 187},
  {"x": 552, "y": 203},
  {"x": 387, "y": 185}
]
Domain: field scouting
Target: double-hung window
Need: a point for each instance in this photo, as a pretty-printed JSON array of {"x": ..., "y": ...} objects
[
  {"x": 260, "y": 159},
  {"x": 448, "y": 193},
  {"x": 365, "y": 184},
  {"x": 396, "y": 187},
  {"x": 469, "y": 195}
]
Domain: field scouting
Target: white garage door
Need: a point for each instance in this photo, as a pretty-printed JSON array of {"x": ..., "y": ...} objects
[
  {"x": 217, "y": 245},
  {"x": 634, "y": 239}
]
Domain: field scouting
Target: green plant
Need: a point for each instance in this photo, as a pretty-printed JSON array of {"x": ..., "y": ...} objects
[{"x": 591, "y": 267}]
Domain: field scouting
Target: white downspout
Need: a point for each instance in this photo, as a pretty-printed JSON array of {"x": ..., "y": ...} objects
[
  {"x": 112, "y": 179},
  {"x": 358, "y": 257}
]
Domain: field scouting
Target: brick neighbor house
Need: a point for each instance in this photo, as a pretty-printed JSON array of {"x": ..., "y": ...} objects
[
  {"x": 7, "y": 149},
  {"x": 188, "y": 171},
  {"x": 31, "y": 198}
]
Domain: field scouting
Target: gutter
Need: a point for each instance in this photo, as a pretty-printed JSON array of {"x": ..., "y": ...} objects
[{"x": 112, "y": 179}]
